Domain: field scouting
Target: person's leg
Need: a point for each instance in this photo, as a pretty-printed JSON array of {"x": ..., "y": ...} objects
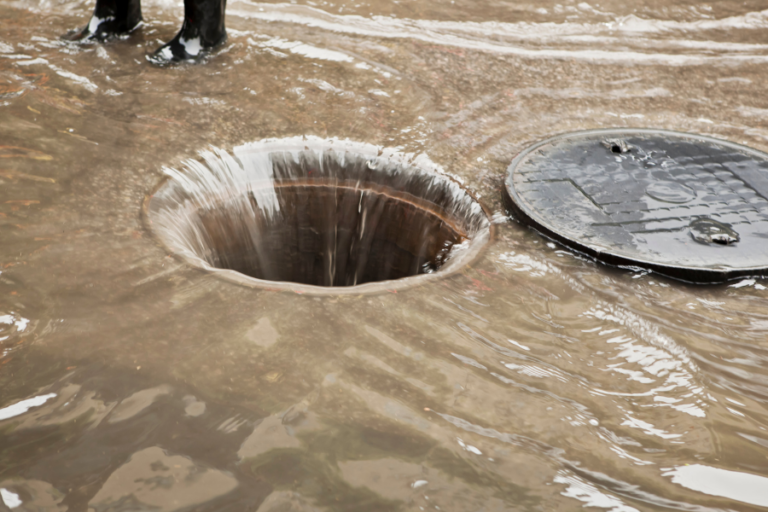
[
  {"x": 203, "y": 29},
  {"x": 110, "y": 18}
]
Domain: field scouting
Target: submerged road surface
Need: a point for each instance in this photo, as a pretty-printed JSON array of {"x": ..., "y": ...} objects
[{"x": 532, "y": 380}]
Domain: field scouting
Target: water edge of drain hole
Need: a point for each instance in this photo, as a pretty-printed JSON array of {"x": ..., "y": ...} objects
[{"x": 318, "y": 216}]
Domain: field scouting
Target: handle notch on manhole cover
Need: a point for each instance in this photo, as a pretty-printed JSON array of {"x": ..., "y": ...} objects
[
  {"x": 617, "y": 146},
  {"x": 710, "y": 231}
]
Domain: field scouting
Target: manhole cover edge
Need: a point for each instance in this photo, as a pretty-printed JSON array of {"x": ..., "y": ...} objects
[{"x": 525, "y": 214}]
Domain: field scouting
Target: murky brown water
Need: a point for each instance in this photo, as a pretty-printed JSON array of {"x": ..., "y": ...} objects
[{"x": 532, "y": 380}]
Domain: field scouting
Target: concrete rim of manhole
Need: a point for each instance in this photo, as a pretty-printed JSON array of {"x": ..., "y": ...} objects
[
  {"x": 435, "y": 197},
  {"x": 526, "y": 214}
]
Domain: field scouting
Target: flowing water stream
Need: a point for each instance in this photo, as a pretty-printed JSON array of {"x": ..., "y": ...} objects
[{"x": 529, "y": 378}]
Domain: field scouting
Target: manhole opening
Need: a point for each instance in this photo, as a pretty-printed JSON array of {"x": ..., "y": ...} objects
[{"x": 311, "y": 215}]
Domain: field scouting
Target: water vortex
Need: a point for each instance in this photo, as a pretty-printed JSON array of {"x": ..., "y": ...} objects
[{"x": 317, "y": 215}]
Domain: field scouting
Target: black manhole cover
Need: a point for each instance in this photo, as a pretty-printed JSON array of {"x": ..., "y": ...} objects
[{"x": 688, "y": 206}]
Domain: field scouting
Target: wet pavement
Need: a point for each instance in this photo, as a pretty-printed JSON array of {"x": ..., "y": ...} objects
[{"x": 533, "y": 379}]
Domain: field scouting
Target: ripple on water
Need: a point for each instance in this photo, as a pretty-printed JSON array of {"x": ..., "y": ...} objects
[
  {"x": 12, "y": 330},
  {"x": 529, "y": 380}
]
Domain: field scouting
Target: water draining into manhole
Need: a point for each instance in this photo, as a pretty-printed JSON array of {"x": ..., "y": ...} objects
[{"x": 316, "y": 214}]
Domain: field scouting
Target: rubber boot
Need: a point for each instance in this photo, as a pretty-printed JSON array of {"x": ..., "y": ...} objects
[
  {"x": 202, "y": 31},
  {"x": 111, "y": 18}
]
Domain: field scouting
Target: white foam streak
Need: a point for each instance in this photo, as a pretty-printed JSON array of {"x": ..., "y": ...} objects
[
  {"x": 589, "y": 494},
  {"x": 309, "y": 51},
  {"x": 20, "y": 408},
  {"x": 485, "y": 36},
  {"x": 11, "y": 499},
  {"x": 647, "y": 428},
  {"x": 80, "y": 80},
  {"x": 744, "y": 487}
]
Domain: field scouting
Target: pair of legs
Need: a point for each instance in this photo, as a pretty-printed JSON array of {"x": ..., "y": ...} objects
[{"x": 202, "y": 30}]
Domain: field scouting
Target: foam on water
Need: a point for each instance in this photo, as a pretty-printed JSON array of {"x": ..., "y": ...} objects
[{"x": 498, "y": 37}]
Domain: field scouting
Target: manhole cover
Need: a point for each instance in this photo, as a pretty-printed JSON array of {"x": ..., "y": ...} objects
[
  {"x": 687, "y": 206},
  {"x": 319, "y": 216}
]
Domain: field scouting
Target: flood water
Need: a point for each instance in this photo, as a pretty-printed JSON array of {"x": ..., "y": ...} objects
[{"x": 533, "y": 379}]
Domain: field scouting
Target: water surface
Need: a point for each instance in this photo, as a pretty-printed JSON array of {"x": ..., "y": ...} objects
[{"x": 532, "y": 380}]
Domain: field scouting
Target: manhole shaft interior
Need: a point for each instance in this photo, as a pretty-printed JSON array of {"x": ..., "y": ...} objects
[{"x": 317, "y": 216}]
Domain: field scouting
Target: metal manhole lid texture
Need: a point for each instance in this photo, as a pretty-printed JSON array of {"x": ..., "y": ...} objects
[{"x": 688, "y": 206}]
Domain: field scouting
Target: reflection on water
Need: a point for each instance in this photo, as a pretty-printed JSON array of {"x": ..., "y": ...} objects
[
  {"x": 743, "y": 487},
  {"x": 157, "y": 481},
  {"x": 531, "y": 379},
  {"x": 23, "y": 406}
]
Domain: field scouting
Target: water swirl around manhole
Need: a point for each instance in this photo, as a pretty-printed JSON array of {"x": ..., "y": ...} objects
[{"x": 317, "y": 216}]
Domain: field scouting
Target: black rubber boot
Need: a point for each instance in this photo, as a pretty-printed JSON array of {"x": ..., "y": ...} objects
[
  {"x": 111, "y": 18},
  {"x": 202, "y": 31}
]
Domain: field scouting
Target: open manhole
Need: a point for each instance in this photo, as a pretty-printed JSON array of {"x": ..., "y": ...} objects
[
  {"x": 317, "y": 216},
  {"x": 687, "y": 206}
]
